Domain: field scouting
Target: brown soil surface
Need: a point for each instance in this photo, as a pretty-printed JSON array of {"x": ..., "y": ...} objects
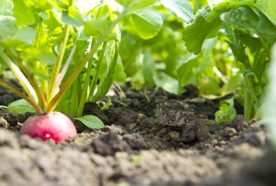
[{"x": 151, "y": 139}]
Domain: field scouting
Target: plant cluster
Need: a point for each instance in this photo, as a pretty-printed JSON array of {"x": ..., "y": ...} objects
[{"x": 68, "y": 53}]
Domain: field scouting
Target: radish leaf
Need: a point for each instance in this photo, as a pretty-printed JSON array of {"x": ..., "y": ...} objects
[
  {"x": 181, "y": 8},
  {"x": 92, "y": 122},
  {"x": 20, "y": 106},
  {"x": 168, "y": 83},
  {"x": 145, "y": 23}
]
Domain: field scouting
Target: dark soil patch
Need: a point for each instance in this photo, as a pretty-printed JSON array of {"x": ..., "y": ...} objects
[{"x": 151, "y": 139}]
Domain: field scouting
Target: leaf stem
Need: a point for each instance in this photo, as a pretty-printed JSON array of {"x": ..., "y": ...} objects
[
  {"x": 68, "y": 61},
  {"x": 20, "y": 76},
  {"x": 95, "y": 78},
  {"x": 30, "y": 77},
  {"x": 58, "y": 64},
  {"x": 79, "y": 67},
  {"x": 250, "y": 100},
  {"x": 87, "y": 80},
  {"x": 15, "y": 90}
]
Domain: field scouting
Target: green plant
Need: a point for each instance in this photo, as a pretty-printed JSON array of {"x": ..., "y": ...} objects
[
  {"x": 249, "y": 29},
  {"x": 226, "y": 113},
  {"x": 164, "y": 61},
  {"x": 65, "y": 55},
  {"x": 229, "y": 40}
]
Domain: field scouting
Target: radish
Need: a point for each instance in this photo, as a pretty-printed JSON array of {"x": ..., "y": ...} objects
[
  {"x": 53, "y": 126},
  {"x": 45, "y": 79},
  {"x": 47, "y": 124}
]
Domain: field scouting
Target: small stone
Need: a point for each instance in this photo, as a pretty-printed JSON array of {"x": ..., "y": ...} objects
[
  {"x": 132, "y": 126},
  {"x": 218, "y": 148},
  {"x": 231, "y": 131},
  {"x": 135, "y": 141},
  {"x": 114, "y": 129},
  {"x": 121, "y": 155},
  {"x": 214, "y": 141},
  {"x": 189, "y": 132},
  {"x": 197, "y": 100},
  {"x": 174, "y": 135},
  {"x": 4, "y": 123},
  {"x": 141, "y": 116},
  {"x": 161, "y": 132},
  {"x": 202, "y": 131},
  {"x": 222, "y": 142}
]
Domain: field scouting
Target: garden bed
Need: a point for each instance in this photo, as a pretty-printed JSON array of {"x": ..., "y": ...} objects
[{"x": 151, "y": 138}]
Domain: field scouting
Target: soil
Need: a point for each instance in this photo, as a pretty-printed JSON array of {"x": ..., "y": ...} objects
[{"x": 151, "y": 138}]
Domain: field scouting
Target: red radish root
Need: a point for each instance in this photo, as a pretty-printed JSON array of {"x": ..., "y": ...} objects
[{"x": 53, "y": 126}]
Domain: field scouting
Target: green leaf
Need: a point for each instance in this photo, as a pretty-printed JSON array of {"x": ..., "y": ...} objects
[
  {"x": 138, "y": 80},
  {"x": 248, "y": 20},
  {"x": 7, "y": 26},
  {"x": 182, "y": 8},
  {"x": 124, "y": 2},
  {"x": 6, "y": 7},
  {"x": 72, "y": 17},
  {"x": 268, "y": 8},
  {"x": 20, "y": 106},
  {"x": 167, "y": 83},
  {"x": 129, "y": 50},
  {"x": 136, "y": 4},
  {"x": 119, "y": 75},
  {"x": 226, "y": 114},
  {"x": 186, "y": 71},
  {"x": 23, "y": 13},
  {"x": 234, "y": 83},
  {"x": 106, "y": 78},
  {"x": 26, "y": 35},
  {"x": 95, "y": 27},
  {"x": 52, "y": 20},
  {"x": 11, "y": 35},
  {"x": 207, "y": 23},
  {"x": 148, "y": 68},
  {"x": 238, "y": 48},
  {"x": 260, "y": 64},
  {"x": 99, "y": 23},
  {"x": 195, "y": 34},
  {"x": 92, "y": 122},
  {"x": 145, "y": 23}
]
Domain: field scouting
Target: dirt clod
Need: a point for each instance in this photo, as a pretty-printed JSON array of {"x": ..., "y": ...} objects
[{"x": 108, "y": 144}]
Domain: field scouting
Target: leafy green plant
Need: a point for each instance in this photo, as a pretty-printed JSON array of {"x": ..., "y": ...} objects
[
  {"x": 65, "y": 54},
  {"x": 164, "y": 61},
  {"x": 226, "y": 113},
  {"x": 248, "y": 28},
  {"x": 154, "y": 61}
]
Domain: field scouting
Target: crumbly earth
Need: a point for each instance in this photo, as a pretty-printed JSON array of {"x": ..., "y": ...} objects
[{"x": 151, "y": 139}]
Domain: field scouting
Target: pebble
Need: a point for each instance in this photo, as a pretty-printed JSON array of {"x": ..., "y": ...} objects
[
  {"x": 4, "y": 123},
  {"x": 230, "y": 131},
  {"x": 223, "y": 143},
  {"x": 214, "y": 141},
  {"x": 174, "y": 135}
]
